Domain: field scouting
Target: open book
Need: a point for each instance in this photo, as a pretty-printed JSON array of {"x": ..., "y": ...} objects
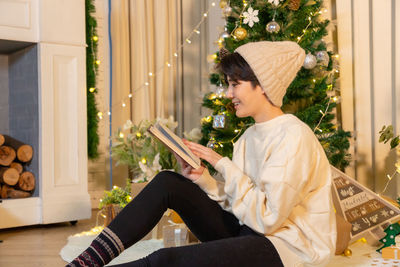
[{"x": 174, "y": 142}]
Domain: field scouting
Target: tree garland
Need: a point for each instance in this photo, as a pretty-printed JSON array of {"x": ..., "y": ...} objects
[{"x": 91, "y": 70}]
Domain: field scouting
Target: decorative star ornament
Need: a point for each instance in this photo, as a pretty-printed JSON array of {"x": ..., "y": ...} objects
[{"x": 250, "y": 17}]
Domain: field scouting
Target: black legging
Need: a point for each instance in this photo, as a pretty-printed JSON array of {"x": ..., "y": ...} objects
[{"x": 224, "y": 241}]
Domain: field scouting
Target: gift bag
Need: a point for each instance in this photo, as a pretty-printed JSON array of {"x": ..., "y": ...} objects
[{"x": 175, "y": 235}]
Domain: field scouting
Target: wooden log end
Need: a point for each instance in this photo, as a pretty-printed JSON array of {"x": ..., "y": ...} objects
[
  {"x": 27, "y": 181},
  {"x": 9, "y": 176},
  {"x": 25, "y": 153},
  {"x": 7, "y": 155},
  {"x": 2, "y": 139},
  {"x": 17, "y": 166}
]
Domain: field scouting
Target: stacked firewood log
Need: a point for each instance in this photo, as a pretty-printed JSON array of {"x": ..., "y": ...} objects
[{"x": 15, "y": 180}]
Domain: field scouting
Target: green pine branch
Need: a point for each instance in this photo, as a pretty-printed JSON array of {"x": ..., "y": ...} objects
[{"x": 91, "y": 69}]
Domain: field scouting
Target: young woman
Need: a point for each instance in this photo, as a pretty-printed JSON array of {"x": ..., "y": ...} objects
[{"x": 273, "y": 207}]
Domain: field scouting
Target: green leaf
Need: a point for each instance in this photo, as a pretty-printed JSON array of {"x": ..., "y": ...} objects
[{"x": 395, "y": 142}]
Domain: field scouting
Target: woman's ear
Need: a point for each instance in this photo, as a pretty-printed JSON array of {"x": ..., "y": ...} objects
[{"x": 258, "y": 87}]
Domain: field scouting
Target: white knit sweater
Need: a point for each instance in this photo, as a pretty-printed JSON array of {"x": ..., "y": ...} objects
[{"x": 279, "y": 184}]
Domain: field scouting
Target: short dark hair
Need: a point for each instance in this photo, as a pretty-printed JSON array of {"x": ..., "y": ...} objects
[{"x": 236, "y": 68}]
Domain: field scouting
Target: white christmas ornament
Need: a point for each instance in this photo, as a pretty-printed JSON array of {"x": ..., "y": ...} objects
[
  {"x": 224, "y": 35},
  {"x": 310, "y": 61},
  {"x": 323, "y": 57},
  {"x": 250, "y": 17},
  {"x": 212, "y": 143},
  {"x": 272, "y": 27},
  {"x": 227, "y": 11},
  {"x": 220, "y": 91},
  {"x": 275, "y": 2}
]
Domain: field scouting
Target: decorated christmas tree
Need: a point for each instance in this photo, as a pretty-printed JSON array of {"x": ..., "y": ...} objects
[
  {"x": 389, "y": 239},
  {"x": 312, "y": 96}
]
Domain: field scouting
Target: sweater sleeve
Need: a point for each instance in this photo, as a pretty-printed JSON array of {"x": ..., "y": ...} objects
[
  {"x": 213, "y": 188},
  {"x": 266, "y": 204}
]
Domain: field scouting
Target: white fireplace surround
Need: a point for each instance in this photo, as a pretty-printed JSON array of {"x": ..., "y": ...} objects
[{"x": 58, "y": 29}]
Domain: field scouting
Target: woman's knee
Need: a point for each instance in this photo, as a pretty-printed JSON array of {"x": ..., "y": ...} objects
[
  {"x": 167, "y": 180},
  {"x": 166, "y": 177}
]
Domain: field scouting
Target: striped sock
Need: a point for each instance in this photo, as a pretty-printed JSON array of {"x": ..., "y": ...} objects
[{"x": 105, "y": 247}]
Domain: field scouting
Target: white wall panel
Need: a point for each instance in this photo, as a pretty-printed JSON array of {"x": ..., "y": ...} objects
[
  {"x": 368, "y": 41},
  {"x": 396, "y": 71},
  {"x": 381, "y": 87},
  {"x": 345, "y": 50},
  {"x": 362, "y": 92}
]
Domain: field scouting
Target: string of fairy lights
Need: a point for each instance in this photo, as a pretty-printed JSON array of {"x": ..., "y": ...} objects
[
  {"x": 151, "y": 74},
  {"x": 187, "y": 41}
]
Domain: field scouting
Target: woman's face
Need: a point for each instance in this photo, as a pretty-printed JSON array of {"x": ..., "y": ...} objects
[{"x": 247, "y": 100}]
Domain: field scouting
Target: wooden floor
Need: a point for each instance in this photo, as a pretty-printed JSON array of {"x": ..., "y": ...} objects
[{"x": 38, "y": 246}]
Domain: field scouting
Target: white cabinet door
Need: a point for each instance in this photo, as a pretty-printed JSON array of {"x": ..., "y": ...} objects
[
  {"x": 19, "y": 20},
  {"x": 63, "y": 188}
]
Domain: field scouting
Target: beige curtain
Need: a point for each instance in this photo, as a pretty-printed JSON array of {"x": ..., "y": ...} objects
[{"x": 144, "y": 37}]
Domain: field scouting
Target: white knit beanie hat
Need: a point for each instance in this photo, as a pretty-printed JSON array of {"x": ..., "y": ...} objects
[{"x": 275, "y": 65}]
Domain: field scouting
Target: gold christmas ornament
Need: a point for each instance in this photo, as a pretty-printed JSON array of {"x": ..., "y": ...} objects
[
  {"x": 240, "y": 33},
  {"x": 223, "y": 4},
  {"x": 347, "y": 252},
  {"x": 294, "y": 4}
]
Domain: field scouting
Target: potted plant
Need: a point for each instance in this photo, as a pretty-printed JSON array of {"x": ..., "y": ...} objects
[
  {"x": 114, "y": 201},
  {"x": 144, "y": 155}
]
